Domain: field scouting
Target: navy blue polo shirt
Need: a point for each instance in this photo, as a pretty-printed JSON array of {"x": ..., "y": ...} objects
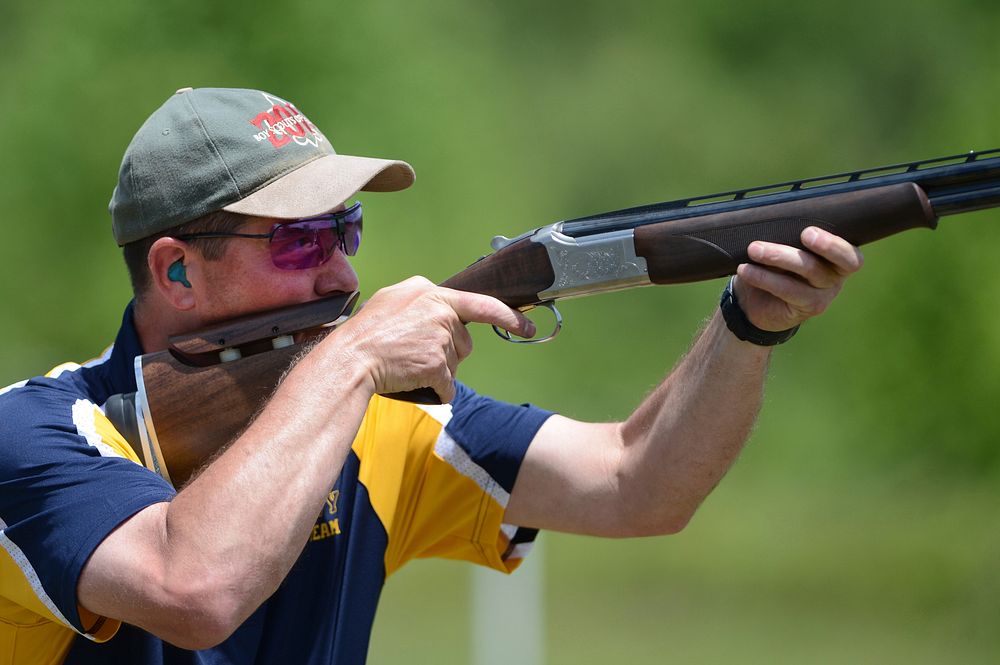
[{"x": 418, "y": 482}]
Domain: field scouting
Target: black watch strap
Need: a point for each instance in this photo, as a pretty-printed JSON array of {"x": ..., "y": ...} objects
[{"x": 739, "y": 324}]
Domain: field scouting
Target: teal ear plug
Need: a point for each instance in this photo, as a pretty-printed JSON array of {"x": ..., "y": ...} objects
[{"x": 177, "y": 273}]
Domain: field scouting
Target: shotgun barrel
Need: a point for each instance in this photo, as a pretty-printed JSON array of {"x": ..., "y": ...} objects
[{"x": 196, "y": 396}]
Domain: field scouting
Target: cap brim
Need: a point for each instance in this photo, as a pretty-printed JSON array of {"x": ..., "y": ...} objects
[{"x": 323, "y": 184}]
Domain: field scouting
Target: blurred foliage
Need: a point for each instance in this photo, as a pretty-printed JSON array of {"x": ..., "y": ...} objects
[
  {"x": 836, "y": 573},
  {"x": 516, "y": 114}
]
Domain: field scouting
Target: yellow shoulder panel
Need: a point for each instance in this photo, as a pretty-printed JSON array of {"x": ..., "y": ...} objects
[
  {"x": 20, "y": 607},
  {"x": 112, "y": 437},
  {"x": 26, "y": 637},
  {"x": 428, "y": 508}
]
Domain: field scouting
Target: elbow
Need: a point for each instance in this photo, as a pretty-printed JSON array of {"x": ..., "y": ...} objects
[
  {"x": 201, "y": 636},
  {"x": 648, "y": 509},
  {"x": 671, "y": 523},
  {"x": 658, "y": 522},
  {"x": 200, "y": 614},
  {"x": 203, "y": 630},
  {"x": 656, "y": 498}
]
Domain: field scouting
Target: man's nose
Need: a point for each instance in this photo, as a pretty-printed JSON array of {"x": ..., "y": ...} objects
[{"x": 336, "y": 275}]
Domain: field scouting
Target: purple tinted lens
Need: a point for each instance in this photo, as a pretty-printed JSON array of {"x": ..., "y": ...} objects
[
  {"x": 311, "y": 242},
  {"x": 301, "y": 245},
  {"x": 351, "y": 225}
]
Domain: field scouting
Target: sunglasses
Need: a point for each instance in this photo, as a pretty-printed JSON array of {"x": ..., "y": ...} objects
[{"x": 305, "y": 243}]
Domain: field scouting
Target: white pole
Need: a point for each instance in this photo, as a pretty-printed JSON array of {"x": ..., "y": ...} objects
[{"x": 508, "y": 622}]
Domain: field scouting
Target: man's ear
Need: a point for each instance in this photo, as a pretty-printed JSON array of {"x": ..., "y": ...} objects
[{"x": 172, "y": 264}]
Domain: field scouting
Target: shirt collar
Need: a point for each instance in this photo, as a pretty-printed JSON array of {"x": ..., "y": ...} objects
[{"x": 121, "y": 364}]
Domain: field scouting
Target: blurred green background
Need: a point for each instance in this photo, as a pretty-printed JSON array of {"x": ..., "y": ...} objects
[{"x": 861, "y": 524}]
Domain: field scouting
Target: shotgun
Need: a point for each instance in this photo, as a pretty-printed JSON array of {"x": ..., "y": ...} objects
[{"x": 198, "y": 394}]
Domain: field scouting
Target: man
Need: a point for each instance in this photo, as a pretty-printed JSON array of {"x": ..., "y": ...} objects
[{"x": 232, "y": 201}]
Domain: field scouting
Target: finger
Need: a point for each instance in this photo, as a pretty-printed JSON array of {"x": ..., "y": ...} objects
[
  {"x": 442, "y": 363},
  {"x": 462, "y": 341},
  {"x": 444, "y": 386},
  {"x": 842, "y": 255},
  {"x": 479, "y": 308},
  {"x": 787, "y": 288},
  {"x": 815, "y": 270},
  {"x": 451, "y": 359}
]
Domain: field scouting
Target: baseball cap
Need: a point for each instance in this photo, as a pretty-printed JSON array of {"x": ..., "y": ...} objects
[{"x": 245, "y": 151}]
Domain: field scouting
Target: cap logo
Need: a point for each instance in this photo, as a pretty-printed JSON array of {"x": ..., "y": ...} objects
[{"x": 282, "y": 123}]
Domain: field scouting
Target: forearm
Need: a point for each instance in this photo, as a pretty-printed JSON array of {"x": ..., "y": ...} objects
[
  {"x": 193, "y": 569},
  {"x": 646, "y": 475},
  {"x": 246, "y": 517},
  {"x": 684, "y": 437}
]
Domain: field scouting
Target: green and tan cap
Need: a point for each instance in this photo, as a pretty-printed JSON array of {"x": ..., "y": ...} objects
[{"x": 245, "y": 151}]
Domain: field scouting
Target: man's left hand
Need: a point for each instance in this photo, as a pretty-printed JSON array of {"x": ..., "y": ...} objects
[{"x": 785, "y": 285}]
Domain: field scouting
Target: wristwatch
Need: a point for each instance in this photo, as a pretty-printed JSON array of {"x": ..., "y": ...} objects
[{"x": 739, "y": 324}]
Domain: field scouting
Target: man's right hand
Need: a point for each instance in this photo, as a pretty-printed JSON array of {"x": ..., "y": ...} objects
[
  {"x": 412, "y": 334},
  {"x": 189, "y": 571}
]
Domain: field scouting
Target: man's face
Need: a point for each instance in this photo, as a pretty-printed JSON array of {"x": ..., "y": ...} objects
[{"x": 245, "y": 279}]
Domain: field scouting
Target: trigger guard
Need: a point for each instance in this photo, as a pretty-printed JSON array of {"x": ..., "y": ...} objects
[{"x": 548, "y": 304}]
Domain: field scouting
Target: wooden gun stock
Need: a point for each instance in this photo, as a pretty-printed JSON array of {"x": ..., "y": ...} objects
[{"x": 200, "y": 393}]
